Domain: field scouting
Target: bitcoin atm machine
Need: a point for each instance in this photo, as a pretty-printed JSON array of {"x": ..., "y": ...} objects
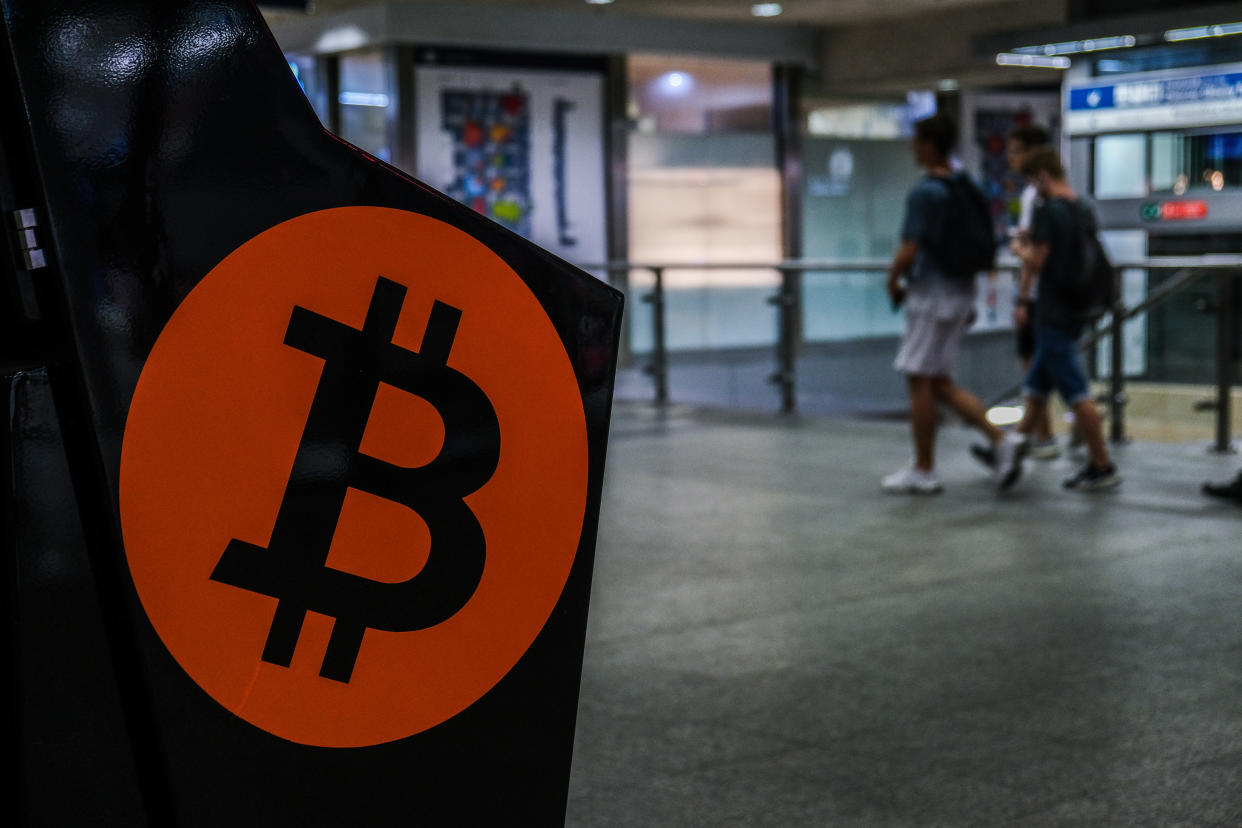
[
  {"x": 303, "y": 459},
  {"x": 1154, "y": 137}
]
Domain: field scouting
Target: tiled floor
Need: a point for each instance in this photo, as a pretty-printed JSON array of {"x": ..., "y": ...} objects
[{"x": 775, "y": 642}]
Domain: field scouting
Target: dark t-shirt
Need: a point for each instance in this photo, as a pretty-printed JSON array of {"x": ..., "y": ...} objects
[
  {"x": 1055, "y": 224},
  {"x": 927, "y": 210},
  {"x": 929, "y": 289}
]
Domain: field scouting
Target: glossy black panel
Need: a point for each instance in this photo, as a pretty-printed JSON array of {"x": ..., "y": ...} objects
[
  {"x": 162, "y": 135},
  {"x": 73, "y": 753}
]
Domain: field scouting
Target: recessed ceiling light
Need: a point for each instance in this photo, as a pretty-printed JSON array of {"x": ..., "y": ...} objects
[
  {"x": 598, "y": 2},
  {"x": 674, "y": 84},
  {"x": 766, "y": 9}
]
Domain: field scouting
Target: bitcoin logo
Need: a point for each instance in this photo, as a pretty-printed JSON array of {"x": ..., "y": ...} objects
[
  {"x": 291, "y": 568},
  {"x": 353, "y": 479}
]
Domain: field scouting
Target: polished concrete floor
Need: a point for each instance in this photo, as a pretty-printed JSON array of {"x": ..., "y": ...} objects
[{"x": 774, "y": 642}]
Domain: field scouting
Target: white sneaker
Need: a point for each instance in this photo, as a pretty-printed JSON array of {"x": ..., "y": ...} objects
[
  {"x": 1044, "y": 449},
  {"x": 1010, "y": 452},
  {"x": 910, "y": 480}
]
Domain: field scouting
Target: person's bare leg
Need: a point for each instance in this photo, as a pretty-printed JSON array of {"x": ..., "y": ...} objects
[
  {"x": 1035, "y": 410},
  {"x": 923, "y": 421},
  {"x": 967, "y": 406},
  {"x": 1087, "y": 418},
  {"x": 1041, "y": 428}
]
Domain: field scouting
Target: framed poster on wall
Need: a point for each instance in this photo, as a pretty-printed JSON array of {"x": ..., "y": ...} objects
[
  {"x": 986, "y": 122},
  {"x": 520, "y": 142}
]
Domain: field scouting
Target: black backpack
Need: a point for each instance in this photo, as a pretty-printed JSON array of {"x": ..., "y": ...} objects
[
  {"x": 967, "y": 242},
  {"x": 1088, "y": 290}
]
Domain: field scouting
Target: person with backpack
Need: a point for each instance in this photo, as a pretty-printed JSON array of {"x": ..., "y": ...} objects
[
  {"x": 946, "y": 239},
  {"x": 1023, "y": 142},
  {"x": 1075, "y": 285}
]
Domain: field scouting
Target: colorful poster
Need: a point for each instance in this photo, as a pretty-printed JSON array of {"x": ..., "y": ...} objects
[
  {"x": 491, "y": 153},
  {"x": 987, "y": 121},
  {"x": 522, "y": 146},
  {"x": 1001, "y": 185}
]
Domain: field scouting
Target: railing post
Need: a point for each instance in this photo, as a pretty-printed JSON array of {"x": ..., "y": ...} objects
[
  {"x": 1117, "y": 374},
  {"x": 1226, "y": 319},
  {"x": 786, "y": 301},
  {"x": 658, "y": 367}
]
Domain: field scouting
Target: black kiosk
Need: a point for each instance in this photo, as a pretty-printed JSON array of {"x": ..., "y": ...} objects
[{"x": 303, "y": 460}]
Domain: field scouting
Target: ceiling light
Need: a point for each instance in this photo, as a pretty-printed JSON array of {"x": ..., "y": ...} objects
[
  {"x": 598, "y": 2},
  {"x": 1032, "y": 61},
  {"x": 341, "y": 39},
  {"x": 1218, "y": 30},
  {"x": 1074, "y": 47},
  {"x": 766, "y": 9},
  {"x": 674, "y": 84}
]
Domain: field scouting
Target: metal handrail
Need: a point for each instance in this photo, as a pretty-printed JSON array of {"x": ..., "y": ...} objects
[
  {"x": 1227, "y": 269},
  {"x": 1205, "y": 262}
]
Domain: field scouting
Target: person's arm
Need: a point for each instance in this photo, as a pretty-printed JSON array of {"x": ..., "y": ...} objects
[
  {"x": 903, "y": 260},
  {"x": 1034, "y": 255},
  {"x": 914, "y": 227}
]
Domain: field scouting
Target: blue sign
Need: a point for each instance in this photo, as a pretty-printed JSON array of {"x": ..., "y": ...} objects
[{"x": 1222, "y": 88}]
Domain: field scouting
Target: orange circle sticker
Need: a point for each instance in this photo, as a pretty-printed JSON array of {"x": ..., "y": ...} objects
[{"x": 354, "y": 476}]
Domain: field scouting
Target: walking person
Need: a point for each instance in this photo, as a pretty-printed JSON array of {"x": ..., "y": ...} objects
[
  {"x": 1021, "y": 146},
  {"x": 1054, "y": 253},
  {"x": 937, "y": 284}
]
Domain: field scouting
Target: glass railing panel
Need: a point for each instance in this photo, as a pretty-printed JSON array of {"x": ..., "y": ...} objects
[{"x": 839, "y": 306}]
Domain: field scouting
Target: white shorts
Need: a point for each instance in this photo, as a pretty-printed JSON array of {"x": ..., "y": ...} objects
[{"x": 929, "y": 345}]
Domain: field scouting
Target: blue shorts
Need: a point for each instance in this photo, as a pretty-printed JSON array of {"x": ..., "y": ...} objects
[{"x": 1057, "y": 364}]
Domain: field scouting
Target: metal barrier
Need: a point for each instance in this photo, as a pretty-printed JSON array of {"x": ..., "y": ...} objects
[
  {"x": 1187, "y": 270},
  {"x": 788, "y": 302}
]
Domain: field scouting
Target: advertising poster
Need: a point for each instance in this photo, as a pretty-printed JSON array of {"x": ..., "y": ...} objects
[
  {"x": 986, "y": 123},
  {"x": 523, "y": 147}
]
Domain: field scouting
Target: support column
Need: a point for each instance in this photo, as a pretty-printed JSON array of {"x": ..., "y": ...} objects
[
  {"x": 787, "y": 129},
  {"x": 616, "y": 184}
]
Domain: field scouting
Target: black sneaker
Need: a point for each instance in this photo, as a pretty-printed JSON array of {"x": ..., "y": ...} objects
[
  {"x": 1093, "y": 479},
  {"x": 985, "y": 455},
  {"x": 1232, "y": 489}
]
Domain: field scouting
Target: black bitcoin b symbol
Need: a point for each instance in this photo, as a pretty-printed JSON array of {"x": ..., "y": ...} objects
[{"x": 292, "y": 568}]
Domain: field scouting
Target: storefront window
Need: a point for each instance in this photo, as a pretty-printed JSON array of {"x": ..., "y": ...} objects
[
  {"x": 307, "y": 71},
  {"x": 1196, "y": 162},
  {"x": 366, "y": 99},
  {"x": 1181, "y": 56},
  {"x": 703, "y": 188},
  {"x": 854, "y": 199},
  {"x": 1121, "y": 166}
]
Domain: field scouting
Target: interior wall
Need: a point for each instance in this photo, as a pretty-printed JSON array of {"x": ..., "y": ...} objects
[
  {"x": 542, "y": 29},
  {"x": 917, "y": 50}
]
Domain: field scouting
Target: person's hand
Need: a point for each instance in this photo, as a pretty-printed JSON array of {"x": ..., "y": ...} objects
[
  {"x": 1021, "y": 314},
  {"x": 896, "y": 293}
]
